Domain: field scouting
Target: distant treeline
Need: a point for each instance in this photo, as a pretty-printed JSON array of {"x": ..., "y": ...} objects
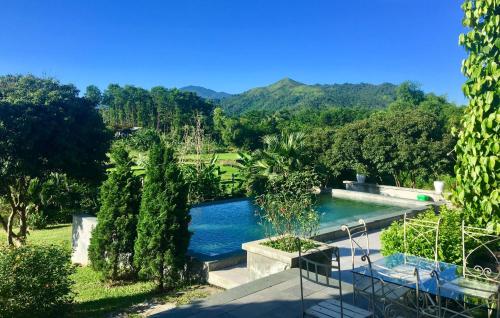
[{"x": 163, "y": 109}]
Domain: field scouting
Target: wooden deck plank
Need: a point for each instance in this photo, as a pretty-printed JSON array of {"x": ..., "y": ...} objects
[
  {"x": 317, "y": 310},
  {"x": 361, "y": 311}
]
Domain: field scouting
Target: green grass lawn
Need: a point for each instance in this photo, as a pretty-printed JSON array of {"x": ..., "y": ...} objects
[
  {"x": 95, "y": 298},
  {"x": 220, "y": 156},
  {"x": 225, "y": 160}
]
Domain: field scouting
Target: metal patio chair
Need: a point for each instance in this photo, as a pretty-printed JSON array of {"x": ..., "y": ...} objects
[
  {"x": 320, "y": 273},
  {"x": 479, "y": 282},
  {"x": 389, "y": 299},
  {"x": 359, "y": 242},
  {"x": 423, "y": 229}
]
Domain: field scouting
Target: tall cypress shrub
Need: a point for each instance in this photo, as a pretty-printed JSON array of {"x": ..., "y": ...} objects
[
  {"x": 162, "y": 231},
  {"x": 111, "y": 250}
]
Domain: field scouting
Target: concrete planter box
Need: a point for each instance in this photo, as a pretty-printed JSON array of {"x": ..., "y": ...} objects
[{"x": 263, "y": 260}]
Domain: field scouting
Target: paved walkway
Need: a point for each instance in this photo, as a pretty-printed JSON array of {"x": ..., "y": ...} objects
[{"x": 275, "y": 296}]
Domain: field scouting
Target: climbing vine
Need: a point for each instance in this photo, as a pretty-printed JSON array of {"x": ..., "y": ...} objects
[{"x": 478, "y": 146}]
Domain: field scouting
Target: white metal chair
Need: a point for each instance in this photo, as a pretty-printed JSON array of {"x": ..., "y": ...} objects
[
  {"x": 320, "y": 273},
  {"x": 480, "y": 277},
  {"x": 359, "y": 242},
  {"x": 425, "y": 230}
]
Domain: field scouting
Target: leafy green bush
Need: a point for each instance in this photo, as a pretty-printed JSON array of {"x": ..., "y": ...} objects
[
  {"x": 37, "y": 220},
  {"x": 143, "y": 139},
  {"x": 35, "y": 281},
  {"x": 204, "y": 180},
  {"x": 449, "y": 248},
  {"x": 289, "y": 244},
  {"x": 56, "y": 198}
]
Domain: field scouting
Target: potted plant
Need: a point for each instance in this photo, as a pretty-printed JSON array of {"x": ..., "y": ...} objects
[
  {"x": 439, "y": 187},
  {"x": 287, "y": 212},
  {"x": 361, "y": 172}
]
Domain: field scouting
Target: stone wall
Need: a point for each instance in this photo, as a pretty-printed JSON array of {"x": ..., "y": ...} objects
[{"x": 83, "y": 225}]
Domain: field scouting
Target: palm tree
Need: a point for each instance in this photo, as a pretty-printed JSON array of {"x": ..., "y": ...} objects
[{"x": 281, "y": 154}]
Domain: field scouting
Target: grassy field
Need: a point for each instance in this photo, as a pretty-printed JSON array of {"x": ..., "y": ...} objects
[
  {"x": 95, "y": 298},
  {"x": 225, "y": 160},
  {"x": 220, "y": 155}
]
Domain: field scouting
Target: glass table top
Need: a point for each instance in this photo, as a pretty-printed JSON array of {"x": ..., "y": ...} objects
[{"x": 399, "y": 269}]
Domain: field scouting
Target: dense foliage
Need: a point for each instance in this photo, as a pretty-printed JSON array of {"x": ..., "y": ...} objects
[
  {"x": 287, "y": 207},
  {"x": 410, "y": 144},
  {"x": 162, "y": 230},
  {"x": 478, "y": 146},
  {"x": 57, "y": 198},
  {"x": 204, "y": 181},
  {"x": 290, "y": 94},
  {"x": 450, "y": 237},
  {"x": 45, "y": 128},
  {"x": 35, "y": 281},
  {"x": 111, "y": 249}
]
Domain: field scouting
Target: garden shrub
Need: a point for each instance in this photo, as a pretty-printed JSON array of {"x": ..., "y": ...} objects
[
  {"x": 162, "y": 229},
  {"x": 450, "y": 237},
  {"x": 35, "y": 281},
  {"x": 111, "y": 249}
]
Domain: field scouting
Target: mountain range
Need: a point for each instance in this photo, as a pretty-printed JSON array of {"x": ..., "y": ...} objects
[
  {"x": 205, "y": 92},
  {"x": 290, "y": 94}
]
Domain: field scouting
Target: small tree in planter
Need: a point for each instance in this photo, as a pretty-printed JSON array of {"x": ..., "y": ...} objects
[{"x": 288, "y": 208}]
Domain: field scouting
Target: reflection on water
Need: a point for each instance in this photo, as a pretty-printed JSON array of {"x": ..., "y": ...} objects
[{"x": 222, "y": 227}]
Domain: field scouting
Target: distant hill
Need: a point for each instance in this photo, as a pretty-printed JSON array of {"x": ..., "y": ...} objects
[
  {"x": 290, "y": 94},
  {"x": 205, "y": 92}
]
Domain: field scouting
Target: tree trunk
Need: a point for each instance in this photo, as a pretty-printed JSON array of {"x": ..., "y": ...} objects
[
  {"x": 161, "y": 280},
  {"x": 10, "y": 224},
  {"x": 17, "y": 196},
  {"x": 23, "y": 225}
]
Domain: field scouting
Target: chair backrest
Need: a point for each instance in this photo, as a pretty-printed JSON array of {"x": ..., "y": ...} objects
[
  {"x": 421, "y": 229},
  {"x": 480, "y": 252},
  {"x": 318, "y": 267},
  {"x": 358, "y": 238}
]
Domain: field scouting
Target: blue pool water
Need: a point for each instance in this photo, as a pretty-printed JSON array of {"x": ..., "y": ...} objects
[{"x": 221, "y": 228}]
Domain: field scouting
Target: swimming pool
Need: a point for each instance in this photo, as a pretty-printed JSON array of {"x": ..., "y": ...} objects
[{"x": 221, "y": 228}]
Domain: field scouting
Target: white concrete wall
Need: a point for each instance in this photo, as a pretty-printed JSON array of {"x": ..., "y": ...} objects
[
  {"x": 83, "y": 225},
  {"x": 391, "y": 191},
  {"x": 376, "y": 198}
]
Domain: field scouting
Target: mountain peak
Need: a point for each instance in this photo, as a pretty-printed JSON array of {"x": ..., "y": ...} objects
[
  {"x": 285, "y": 82},
  {"x": 290, "y": 94}
]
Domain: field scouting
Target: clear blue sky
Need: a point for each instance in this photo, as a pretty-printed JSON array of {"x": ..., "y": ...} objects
[{"x": 235, "y": 45}]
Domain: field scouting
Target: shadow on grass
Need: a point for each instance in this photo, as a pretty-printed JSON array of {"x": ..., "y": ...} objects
[
  {"x": 56, "y": 226},
  {"x": 103, "y": 307}
]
